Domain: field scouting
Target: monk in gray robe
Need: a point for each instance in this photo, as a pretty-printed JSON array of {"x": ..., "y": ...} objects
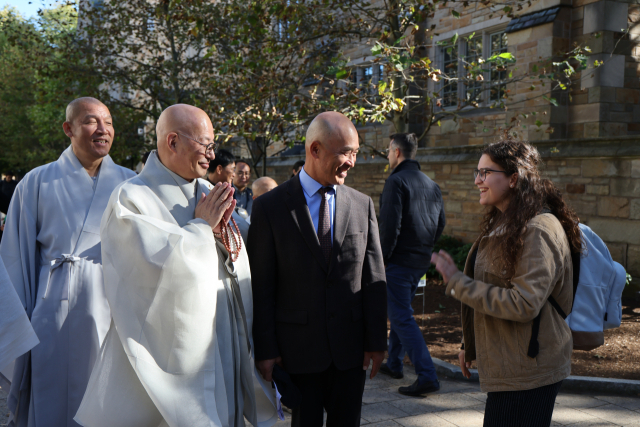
[
  {"x": 179, "y": 350},
  {"x": 51, "y": 249}
]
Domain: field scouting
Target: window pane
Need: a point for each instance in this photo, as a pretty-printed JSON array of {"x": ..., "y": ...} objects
[
  {"x": 368, "y": 75},
  {"x": 474, "y": 51},
  {"x": 354, "y": 77},
  {"x": 498, "y": 88},
  {"x": 450, "y": 69}
]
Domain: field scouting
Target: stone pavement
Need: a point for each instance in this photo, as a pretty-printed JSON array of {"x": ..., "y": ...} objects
[{"x": 461, "y": 403}]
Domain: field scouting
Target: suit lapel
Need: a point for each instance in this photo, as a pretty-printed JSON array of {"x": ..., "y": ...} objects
[
  {"x": 299, "y": 210},
  {"x": 340, "y": 223}
]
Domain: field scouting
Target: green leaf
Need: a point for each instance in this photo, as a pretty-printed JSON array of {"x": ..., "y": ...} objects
[
  {"x": 341, "y": 74},
  {"x": 377, "y": 49},
  {"x": 538, "y": 123},
  {"x": 455, "y": 14}
]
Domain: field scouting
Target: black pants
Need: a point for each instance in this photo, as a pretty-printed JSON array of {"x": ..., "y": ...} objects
[
  {"x": 526, "y": 408},
  {"x": 337, "y": 392}
]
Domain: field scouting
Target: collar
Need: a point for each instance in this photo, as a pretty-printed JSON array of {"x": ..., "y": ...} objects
[
  {"x": 309, "y": 185},
  {"x": 247, "y": 190},
  {"x": 187, "y": 188},
  {"x": 407, "y": 164}
]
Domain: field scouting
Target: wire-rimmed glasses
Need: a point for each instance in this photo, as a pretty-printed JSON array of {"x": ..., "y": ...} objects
[{"x": 208, "y": 148}]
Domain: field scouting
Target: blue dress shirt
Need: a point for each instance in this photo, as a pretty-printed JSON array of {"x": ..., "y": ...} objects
[{"x": 310, "y": 189}]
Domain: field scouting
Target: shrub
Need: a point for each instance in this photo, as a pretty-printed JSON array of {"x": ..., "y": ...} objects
[{"x": 454, "y": 247}]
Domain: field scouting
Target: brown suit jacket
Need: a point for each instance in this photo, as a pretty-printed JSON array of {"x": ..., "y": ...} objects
[{"x": 310, "y": 313}]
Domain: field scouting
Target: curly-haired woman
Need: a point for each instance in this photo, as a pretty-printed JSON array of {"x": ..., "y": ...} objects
[{"x": 522, "y": 257}]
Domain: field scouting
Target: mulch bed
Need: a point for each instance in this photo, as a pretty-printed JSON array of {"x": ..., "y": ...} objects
[{"x": 619, "y": 357}]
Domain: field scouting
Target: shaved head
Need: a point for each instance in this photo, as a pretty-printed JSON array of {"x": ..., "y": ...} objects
[
  {"x": 183, "y": 131},
  {"x": 78, "y": 105},
  {"x": 330, "y": 126},
  {"x": 331, "y": 147},
  {"x": 263, "y": 185}
]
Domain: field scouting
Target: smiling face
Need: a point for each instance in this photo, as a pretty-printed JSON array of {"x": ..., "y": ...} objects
[
  {"x": 335, "y": 157},
  {"x": 194, "y": 160},
  {"x": 495, "y": 189},
  {"x": 243, "y": 174},
  {"x": 91, "y": 131}
]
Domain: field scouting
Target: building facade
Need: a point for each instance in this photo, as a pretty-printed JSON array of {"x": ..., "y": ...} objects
[{"x": 590, "y": 140}]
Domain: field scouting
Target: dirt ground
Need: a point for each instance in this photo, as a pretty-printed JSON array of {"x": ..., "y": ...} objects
[{"x": 619, "y": 357}]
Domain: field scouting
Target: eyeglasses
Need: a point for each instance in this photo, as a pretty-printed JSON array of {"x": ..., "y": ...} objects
[
  {"x": 483, "y": 173},
  {"x": 208, "y": 148}
]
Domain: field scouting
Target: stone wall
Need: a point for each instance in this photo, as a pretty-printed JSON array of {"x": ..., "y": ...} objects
[{"x": 600, "y": 179}]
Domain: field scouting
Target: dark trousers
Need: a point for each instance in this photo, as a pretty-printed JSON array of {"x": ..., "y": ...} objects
[
  {"x": 405, "y": 335},
  {"x": 337, "y": 392},
  {"x": 526, "y": 408}
]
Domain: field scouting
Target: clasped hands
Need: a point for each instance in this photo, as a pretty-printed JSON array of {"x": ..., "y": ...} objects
[{"x": 216, "y": 206}]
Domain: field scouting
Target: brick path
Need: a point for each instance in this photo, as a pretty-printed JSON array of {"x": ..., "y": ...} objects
[{"x": 461, "y": 403}]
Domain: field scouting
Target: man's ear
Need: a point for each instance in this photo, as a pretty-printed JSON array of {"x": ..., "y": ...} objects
[
  {"x": 314, "y": 149},
  {"x": 66, "y": 126},
  {"x": 171, "y": 141},
  {"x": 219, "y": 169}
]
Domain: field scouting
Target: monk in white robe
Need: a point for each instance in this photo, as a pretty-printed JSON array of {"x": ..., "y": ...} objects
[
  {"x": 179, "y": 350},
  {"x": 16, "y": 334},
  {"x": 51, "y": 249}
]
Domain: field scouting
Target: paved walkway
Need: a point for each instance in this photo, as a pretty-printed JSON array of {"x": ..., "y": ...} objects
[{"x": 461, "y": 403}]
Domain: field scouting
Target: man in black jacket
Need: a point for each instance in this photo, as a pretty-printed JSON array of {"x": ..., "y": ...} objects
[
  {"x": 318, "y": 282},
  {"x": 411, "y": 221}
]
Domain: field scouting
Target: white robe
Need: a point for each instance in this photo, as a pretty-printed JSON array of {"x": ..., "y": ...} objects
[
  {"x": 51, "y": 249},
  {"x": 177, "y": 352},
  {"x": 16, "y": 334}
]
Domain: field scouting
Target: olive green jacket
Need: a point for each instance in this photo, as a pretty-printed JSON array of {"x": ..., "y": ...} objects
[{"x": 497, "y": 313}]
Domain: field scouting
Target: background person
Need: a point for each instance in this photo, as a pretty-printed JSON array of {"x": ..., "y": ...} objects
[
  {"x": 296, "y": 167},
  {"x": 51, "y": 249},
  {"x": 411, "y": 221},
  {"x": 318, "y": 280},
  {"x": 222, "y": 168},
  {"x": 522, "y": 257},
  {"x": 243, "y": 193},
  {"x": 262, "y": 185}
]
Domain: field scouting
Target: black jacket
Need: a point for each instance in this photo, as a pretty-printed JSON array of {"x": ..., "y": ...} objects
[
  {"x": 411, "y": 216},
  {"x": 310, "y": 313}
]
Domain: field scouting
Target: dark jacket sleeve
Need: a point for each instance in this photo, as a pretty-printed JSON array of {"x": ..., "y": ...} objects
[
  {"x": 263, "y": 262},
  {"x": 390, "y": 217},
  {"x": 442, "y": 220},
  {"x": 4, "y": 202},
  {"x": 374, "y": 290}
]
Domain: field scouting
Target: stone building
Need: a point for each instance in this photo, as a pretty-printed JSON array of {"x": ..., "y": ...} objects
[{"x": 593, "y": 152}]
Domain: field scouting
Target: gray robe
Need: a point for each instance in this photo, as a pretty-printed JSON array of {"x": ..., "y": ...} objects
[
  {"x": 178, "y": 352},
  {"x": 51, "y": 249},
  {"x": 16, "y": 334}
]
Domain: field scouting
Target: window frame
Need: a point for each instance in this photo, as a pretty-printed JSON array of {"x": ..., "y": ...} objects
[{"x": 462, "y": 45}]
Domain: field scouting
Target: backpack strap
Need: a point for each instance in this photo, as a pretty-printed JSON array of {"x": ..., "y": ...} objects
[{"x": 534, "y": 346}]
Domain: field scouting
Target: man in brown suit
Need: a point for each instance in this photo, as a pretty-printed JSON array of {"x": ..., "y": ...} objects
[{"x": 318, "y": 279}]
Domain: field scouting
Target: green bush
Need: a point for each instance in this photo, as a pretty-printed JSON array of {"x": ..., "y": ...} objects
[{"x": 453, "y": 247}]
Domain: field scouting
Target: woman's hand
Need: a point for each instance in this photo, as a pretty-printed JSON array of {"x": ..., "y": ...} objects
[
  {"x": 217, "y": 206},
  {"x": 465, "y": 366},
  {"x": 444, "y": 265}
]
